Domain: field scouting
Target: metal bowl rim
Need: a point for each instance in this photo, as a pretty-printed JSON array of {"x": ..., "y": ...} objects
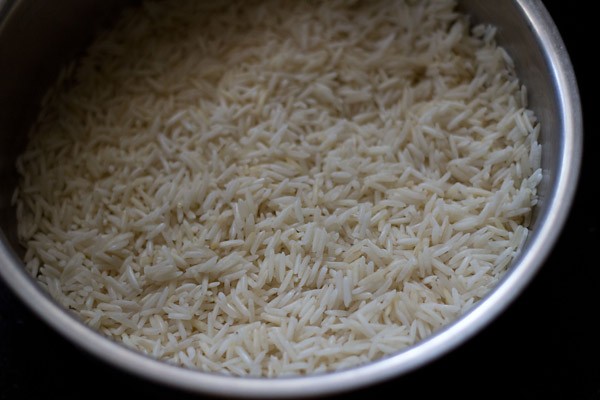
[{"x": 440, "y": 343}]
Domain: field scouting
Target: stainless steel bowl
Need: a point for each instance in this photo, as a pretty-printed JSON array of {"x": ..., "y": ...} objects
[{"x": 37, "y": 37}]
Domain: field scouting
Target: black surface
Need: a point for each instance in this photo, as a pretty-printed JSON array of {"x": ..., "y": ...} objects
[{"x": 545, "y": 345}]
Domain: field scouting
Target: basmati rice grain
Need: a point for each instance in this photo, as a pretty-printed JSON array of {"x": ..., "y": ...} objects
[{"x": 278, "y": 188}]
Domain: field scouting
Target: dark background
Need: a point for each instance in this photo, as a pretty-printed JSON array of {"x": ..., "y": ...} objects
[{"x": 545, "y": 345}]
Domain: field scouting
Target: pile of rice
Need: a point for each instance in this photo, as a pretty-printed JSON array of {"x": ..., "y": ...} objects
[{"x": 275, "y": 188}]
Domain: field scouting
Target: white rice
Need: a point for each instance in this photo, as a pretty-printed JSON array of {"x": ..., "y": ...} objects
[{"x": 273, "y": 188}]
